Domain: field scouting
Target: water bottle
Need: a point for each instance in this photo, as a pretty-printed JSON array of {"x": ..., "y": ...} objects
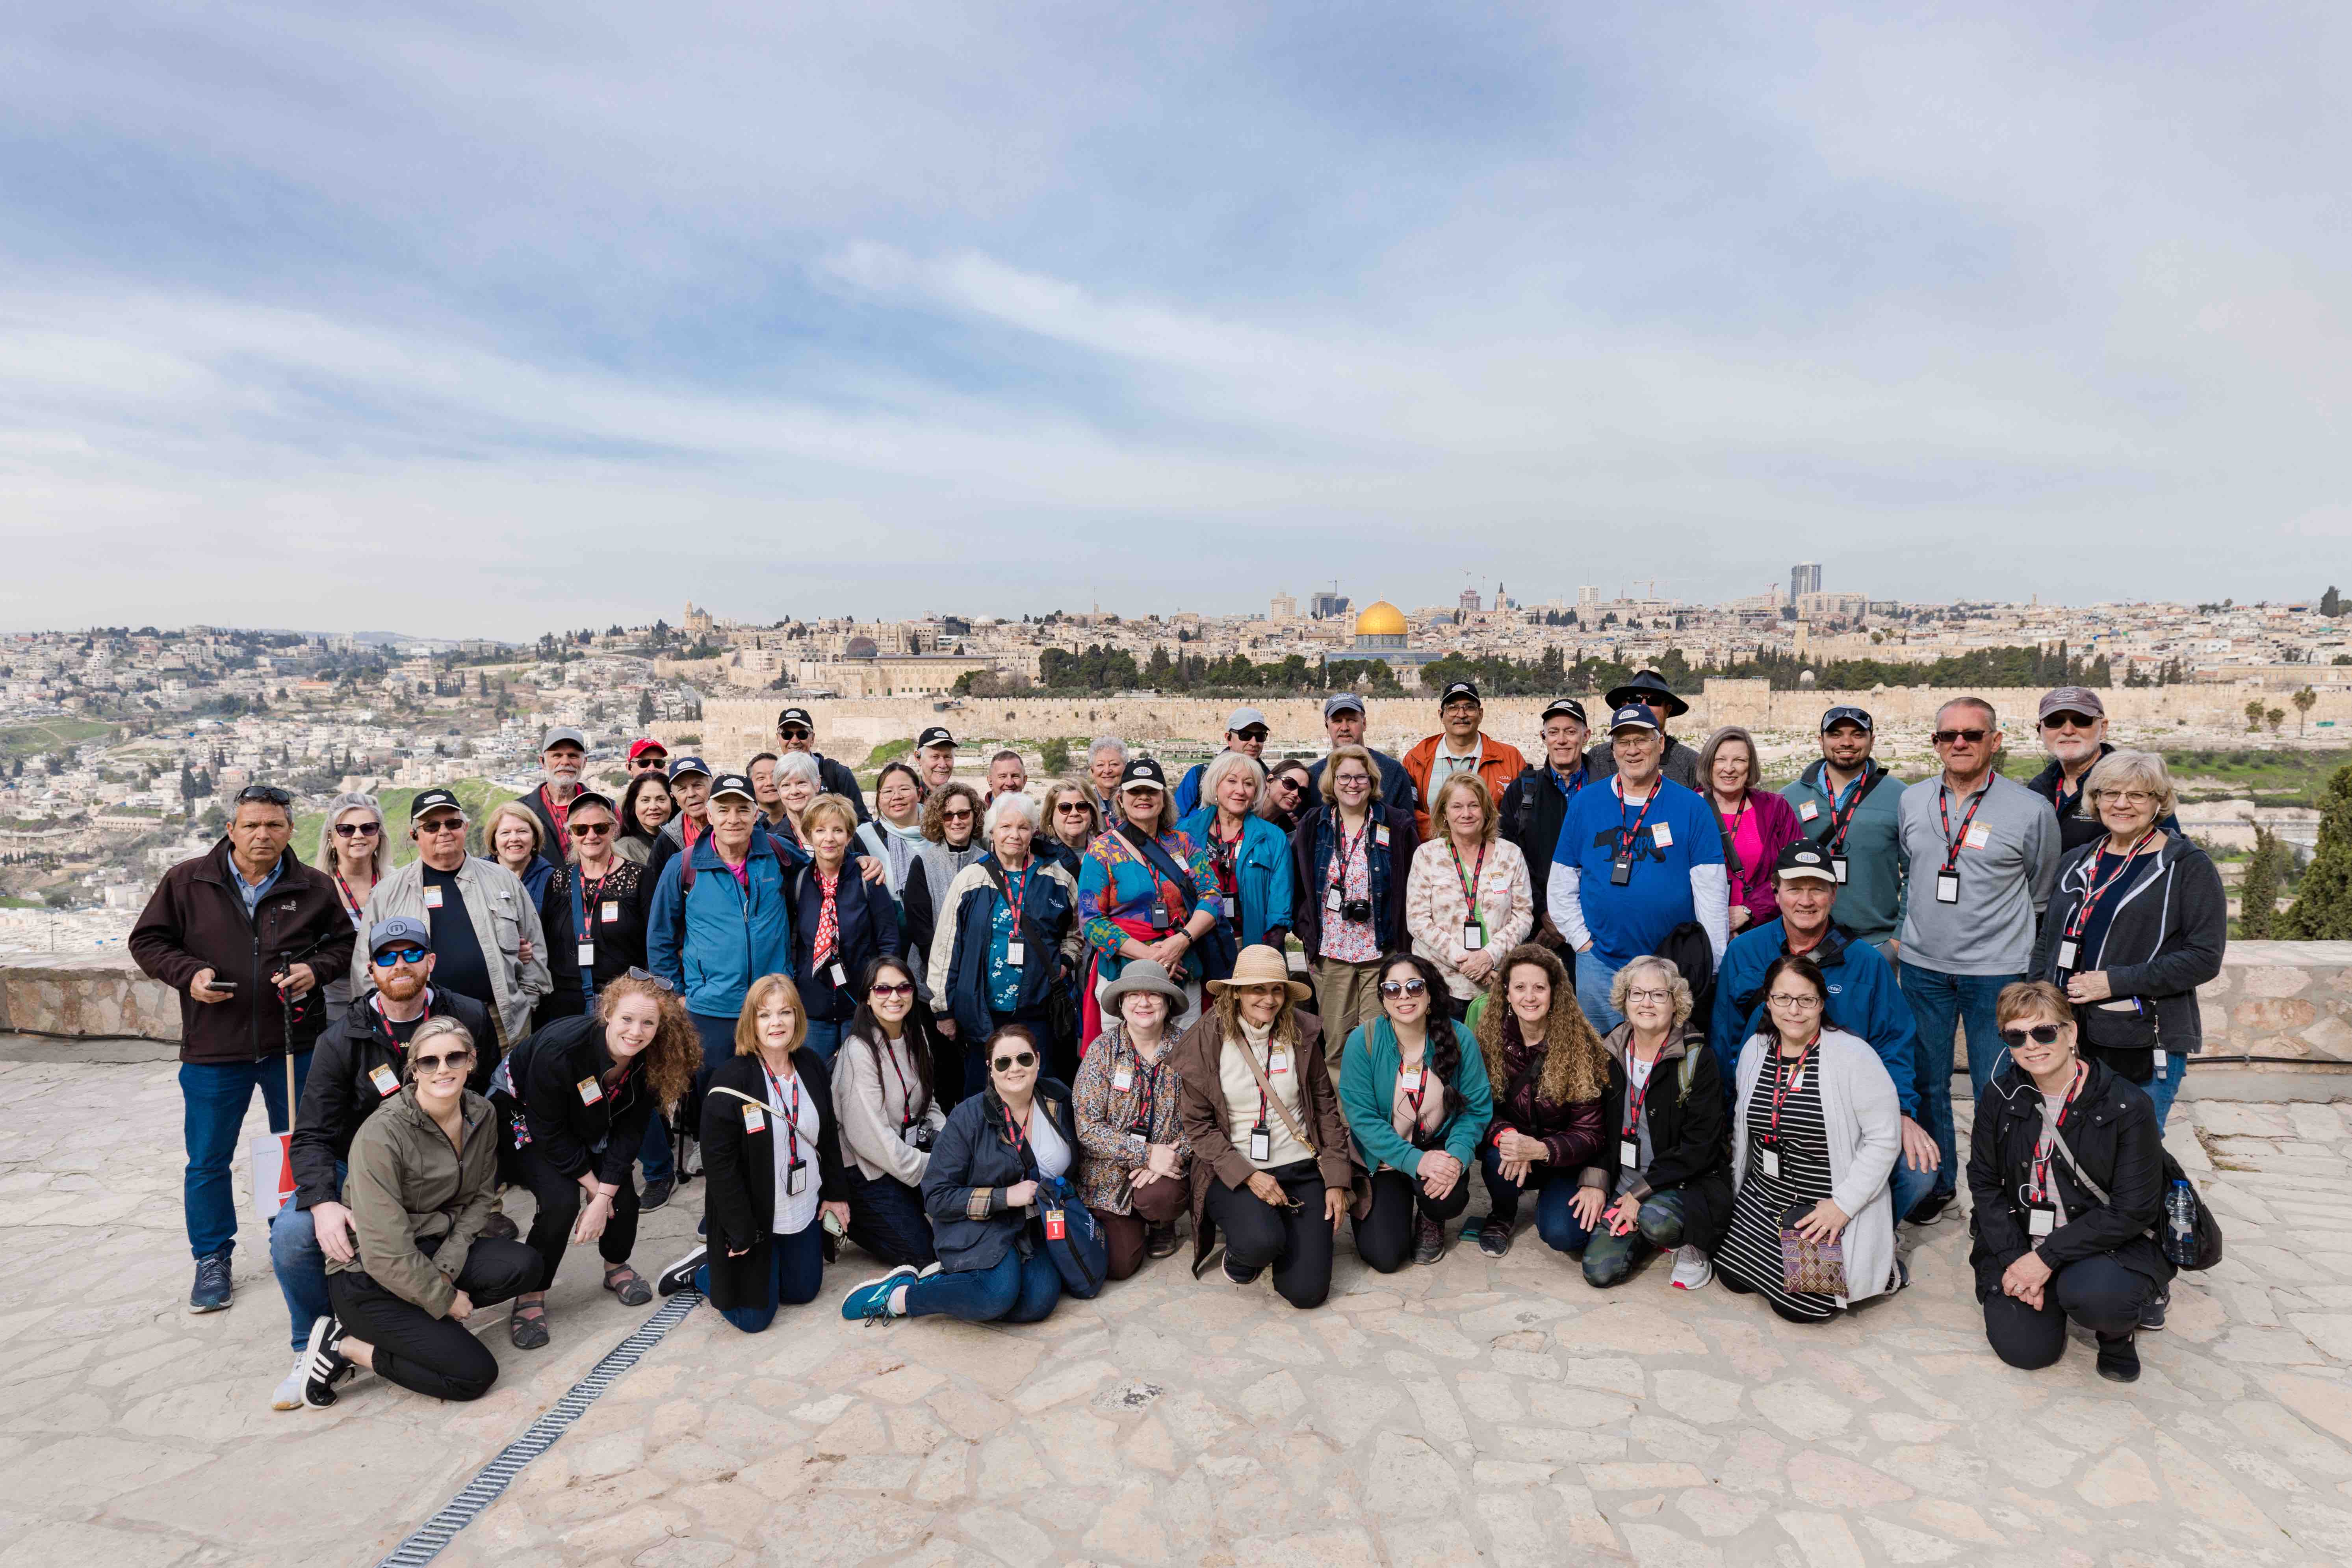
[{"x": 2181, "y": 1222}]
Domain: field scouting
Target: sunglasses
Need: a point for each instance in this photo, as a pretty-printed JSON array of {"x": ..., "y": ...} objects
[
  {"x": 1288, "y": 785},
  {"x": 590, "y": 829},
  {"x": 1018, "y": 1060},
  {"x": 443, "y": 825},
  {"x": 456, "y": 1062},
  {"x": 392, "y": 955},
  {"x": 955, "y": 816},
  {"x": 891, "y": 988},
  {"x": 2041, "y": 1033},
  {"x": 358, "y": 829},
  {"x": 1395, "y": 988},
  {"x": 797, "y": 734},
  {"x": 264, "y": 794},
  {"x": 1948, "y": 737},
  {"x": 1074, "y": 808}
]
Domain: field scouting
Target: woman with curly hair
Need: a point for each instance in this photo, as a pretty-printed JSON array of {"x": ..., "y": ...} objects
[
  {"x": 588, "y": 1087},
  {"x": 1548, "y": 1072},
  {"x": 1412, "y": 1086}
]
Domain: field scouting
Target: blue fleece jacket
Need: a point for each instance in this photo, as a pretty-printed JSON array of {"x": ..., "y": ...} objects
[
  {"x": 711, "y": 941},
  {"x": 1865, "y": 1001}
]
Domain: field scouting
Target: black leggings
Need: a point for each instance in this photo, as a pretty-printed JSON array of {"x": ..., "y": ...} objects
[
  {"x": 1384, "y": 1236},
  {"x": 1296, "y": 1241},
  {"x": 439, "y": 1357},
  {"x": 560, "y": 1198},
  {"x": 2097, "y": 1292}
]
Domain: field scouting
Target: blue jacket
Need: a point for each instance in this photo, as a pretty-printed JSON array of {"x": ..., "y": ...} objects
[
  {"x": 1261, "y": 876},
  {"x": 1046, "y": 913},
  {"x": 973, "y": 1161},
  {"x": 1368, "y": 1075},
  {"x": 1865, "y": 1001},
  {"x": 869, "y": 928},
  {"x": 708, "y": 941}
]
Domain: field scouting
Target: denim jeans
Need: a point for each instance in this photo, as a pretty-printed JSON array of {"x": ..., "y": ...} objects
[
  {"x": 824, "y": 1038},
  {"x": 887, "y": 1218},
  {"x": 1608, "y": 1259},
  {"x": 714, "y": 1043},
  {"x": 301, "y": 1266},
  {"x": 1593, "y": 979},
  {"x": 796, "y": 1268},
  {"x": 215, "y": 1097},
  {"x": 1940, "y": 1003},
  {"x": 2165, "y": 1086},
  {"x": 1016, "y": 1290},
  {"x": 1555, "y": 1221}
]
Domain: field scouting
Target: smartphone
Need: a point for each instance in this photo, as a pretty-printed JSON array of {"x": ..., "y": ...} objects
[
  {"x": 833, "y": 1228},
  {"x": 228, "y": 987}
]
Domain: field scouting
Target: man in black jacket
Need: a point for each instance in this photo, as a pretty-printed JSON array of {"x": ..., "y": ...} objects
[
  {"x": 562, "y": 752},
  {"x": 1538, "y": 800},
  {"x": 358, "y": 1065},
  {"x": 796, "y": 732},
  {"x": 2074, "y": 724},
  {"x": 243, "y": 932}
]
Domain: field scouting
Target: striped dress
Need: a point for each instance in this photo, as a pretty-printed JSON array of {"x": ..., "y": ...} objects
[{"x": 1750, "y": 1252}]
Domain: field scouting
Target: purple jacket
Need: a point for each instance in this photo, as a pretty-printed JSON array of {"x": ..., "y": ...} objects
[{"x": 1752, "y": 886}]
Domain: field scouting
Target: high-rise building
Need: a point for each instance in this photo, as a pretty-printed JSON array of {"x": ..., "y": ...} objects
[
  {"x": 1285, "y": 607},
  {"x": 1327, "y": 606},
  {"x": 1469, "y": 600},
  {"x": 1804, "y": 577},
  {"x": 1587, "y": 598}
]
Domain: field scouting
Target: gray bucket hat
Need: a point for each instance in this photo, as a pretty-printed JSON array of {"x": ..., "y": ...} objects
[{"x": 1143, "y": 975}]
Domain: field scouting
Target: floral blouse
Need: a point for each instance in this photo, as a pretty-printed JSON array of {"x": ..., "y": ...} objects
[{"x": 1116, "y": 1124}]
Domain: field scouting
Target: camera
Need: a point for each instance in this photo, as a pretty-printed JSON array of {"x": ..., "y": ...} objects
[
  {"x": 1359, "y": 911},
  {"x": 920, "y": 1136}
]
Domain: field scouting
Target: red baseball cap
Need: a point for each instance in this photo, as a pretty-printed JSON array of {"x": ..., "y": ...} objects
[{"x": 639, "y": 748}]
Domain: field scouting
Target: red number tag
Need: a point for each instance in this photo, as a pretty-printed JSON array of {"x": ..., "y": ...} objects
[{"x": 1055, "y": 1229}]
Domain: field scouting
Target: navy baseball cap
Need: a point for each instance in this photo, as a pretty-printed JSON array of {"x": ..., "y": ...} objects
[
  {"x": 1633, "y": 716},
  {"x": 1844, "y": 713},
  {"x": 398, "y": 931},
  {"x": 684, "y": 765}
]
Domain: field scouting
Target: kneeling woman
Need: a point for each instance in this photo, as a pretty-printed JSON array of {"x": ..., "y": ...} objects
[
  {"x": 1132, "y": 1157},
  {"x": 1660, "y": 1179},
  {"x": 590, "y": 1086},
  {"x": 1270, "y": 1158},
  {"x": 981, "y": 1192},
  {"x": 1547, "y": 1071},
  {"x": 889, "y": 1116},
  {"x": 1813, "y": 1142},
  {"x": 423, "y": 1179},
  {"x": 1413, "y": 1089},
  {"x": 2063, "y": 1233}
]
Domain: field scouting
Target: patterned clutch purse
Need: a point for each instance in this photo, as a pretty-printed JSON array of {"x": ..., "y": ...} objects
[{"x": 1809, "y": 1267}]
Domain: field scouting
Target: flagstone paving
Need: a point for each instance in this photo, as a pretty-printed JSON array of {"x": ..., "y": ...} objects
[{"x": 1476, "y": 1412}]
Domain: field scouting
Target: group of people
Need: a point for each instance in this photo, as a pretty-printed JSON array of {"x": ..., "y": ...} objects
[{"x": 1717, "y": 1026}]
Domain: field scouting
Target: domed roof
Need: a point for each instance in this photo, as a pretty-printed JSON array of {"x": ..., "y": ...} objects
[
  {"x": 1380, "y": 619},
  {"x": 863, "y": 648}
]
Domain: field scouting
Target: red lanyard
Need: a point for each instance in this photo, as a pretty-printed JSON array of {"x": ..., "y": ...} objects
[
  {"x": 1150, "y": 1095},
  {"x": 588, "y": 896},
  {"x": 1020, "y": 1140},
  {"x": 1786, "y": 1083},
  {"x": 2100, "y": 889},
  {"x": 792, "y": 1121},
  {"x": 1944, "y": 815},
  {"x": 1339, "y": 861},
  {"x": 1841, "y": 816},
  {"x": 2041, "y": 1167},
  {"x": 349, "y": 898},
  {"x": 1626, "y": 835},
  {"x": 375, "y": 1007},
  {"x": 1225, "y": 853},
  {"x": 1016, "y": 887},
  {"x": 1414, "y": 1095},
  {"x": 1636, "y": 1098},
  {"x": 1470, "y": 882},
  {"x": 906, "y": 1095}
]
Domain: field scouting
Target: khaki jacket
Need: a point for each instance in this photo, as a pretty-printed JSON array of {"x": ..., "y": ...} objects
[{"x": 504, "y": 917}]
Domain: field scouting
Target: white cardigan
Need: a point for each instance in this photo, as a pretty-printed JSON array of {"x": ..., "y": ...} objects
[{"x": 1864, "y": 1122}]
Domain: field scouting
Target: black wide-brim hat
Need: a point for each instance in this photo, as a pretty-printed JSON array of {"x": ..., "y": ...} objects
[{"x": 1642, "y": 688}]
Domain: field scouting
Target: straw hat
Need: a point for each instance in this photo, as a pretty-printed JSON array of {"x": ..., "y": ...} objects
[{"x": 1262, "y": 965}]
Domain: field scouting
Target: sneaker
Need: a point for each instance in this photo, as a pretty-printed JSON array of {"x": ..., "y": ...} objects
[
  {"x": 289, "y": 1388},
  {"x": 656, "y": 1195},
  {"x": 1495, "y": 1236},
  {"x": 499, "y": 1227},
  {"x": 1237, "y": 1275},
  {"x": 1159, "y": 1240},
  {"x": 870, "y": 1302},
  {"x": 1694, "y": 1271},
  {"x": 1428, "y": 1240},
  {"x": 2151, "y": 1316},
  {"x": 324, "y": 1365},
  {"x": 1930, "y": 1209},
  {"x": 212, "y": 1290},
  {"x": 679, "y": 1276},
  {"x": 2119, "y": 1359}
]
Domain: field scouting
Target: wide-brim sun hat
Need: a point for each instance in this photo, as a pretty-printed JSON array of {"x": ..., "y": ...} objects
[
  {"x": 1143, "y": 975},
  {"x": 1262, "y": 965}
]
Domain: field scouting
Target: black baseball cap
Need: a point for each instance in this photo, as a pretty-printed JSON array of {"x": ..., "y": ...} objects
[
  {"x": 1803, "y": 858},
  {"x": 1459, "y": 689},
  {"x": 1567, "y": 707},
  {"x": 1143, "y": 771},
  {"x": 432, "y": 799},
  {"x": 732, "y": 783},
  {"x": 591, "y": 797},
  {"x": 937, "y": 735},
  {"x": 1845, "y": 713},
  {"x": 796, "y": 716},
  {"x": 681, "y": 766}
]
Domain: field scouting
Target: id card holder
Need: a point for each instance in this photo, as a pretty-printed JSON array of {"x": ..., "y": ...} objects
[
  {"x": 1629, "y": 1153},
  {"x": 1948, "y": 886},
  {"x": 1123, "y": 1079},
  {"x": 1056, "y": 1227},
  {"x": 1809, "y": 811},
  {"x": 838, "y": 975},
  {"x": 609, "y": 911},
  {"x": 1332, "y": 899},
  {"x": 590, "y": 1091},
  {"x": 1976, "y": 836},
  {"x": 1159, "y": 917},
  {"x": 796, "y": 1179},
  {"x": 1837, "y": 868},
  {"x": 2066, "y": 954},
  {"x": 587, "y": 955},
  {"x": 1380, "y": 834},
  {"x": 387, "y": 1084},
  {"x": 755, "y": 1118},
  {"x": 1016, "y": 952},
  {"x": 1621, "y": 871},
  {"x": 1662, "y": 835},
  {"x": 2040, "y": 1221},
  {"x": 1770, "y": 1158},
  {"x": 1261, "y": 1144},
  {"x": 1276, "y": 1062},
  {"x": 1474, "y": 936},
  {"x": 2162, "y": 1060},
  {"x": 432, "y": 897}
]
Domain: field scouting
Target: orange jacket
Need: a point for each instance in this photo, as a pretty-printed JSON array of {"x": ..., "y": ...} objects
[{"x": 1498, "y": 765}]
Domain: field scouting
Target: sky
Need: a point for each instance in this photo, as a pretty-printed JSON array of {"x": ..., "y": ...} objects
[{"x": 478, "y": 319}]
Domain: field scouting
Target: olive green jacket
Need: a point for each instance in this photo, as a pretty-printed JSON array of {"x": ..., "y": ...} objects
[{"x": 406, "y": 1185}]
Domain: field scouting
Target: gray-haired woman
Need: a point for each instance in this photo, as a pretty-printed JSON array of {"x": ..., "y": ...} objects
[
  {"x": 353, "y": 850},
  {"x": 1106, "y": 760}
]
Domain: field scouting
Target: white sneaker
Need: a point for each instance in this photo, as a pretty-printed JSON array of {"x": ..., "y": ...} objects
[
  {"x": 1692, "y": 1270},
  {"x": 289, "y": 1391}
]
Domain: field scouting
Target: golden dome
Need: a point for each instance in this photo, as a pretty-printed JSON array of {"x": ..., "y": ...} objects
[{"x": 1380, "y": 619}]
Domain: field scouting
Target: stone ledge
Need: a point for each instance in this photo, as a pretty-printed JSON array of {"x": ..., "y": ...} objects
[{"x": 97, "y": 996}]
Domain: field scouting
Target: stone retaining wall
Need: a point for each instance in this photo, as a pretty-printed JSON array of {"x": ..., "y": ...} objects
[{"x": 2285, "y": 999}]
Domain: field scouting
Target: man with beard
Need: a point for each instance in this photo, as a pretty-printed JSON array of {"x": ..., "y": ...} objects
[{"x": 561, "y": 754}]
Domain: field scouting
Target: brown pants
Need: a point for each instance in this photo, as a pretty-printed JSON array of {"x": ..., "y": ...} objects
[
  {"x": 1346, "y": 994},
  {"x": 1157, "y": 1204}
]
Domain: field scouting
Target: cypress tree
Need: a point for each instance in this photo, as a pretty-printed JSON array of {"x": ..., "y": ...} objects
[
  {"x": 2322, "y": 912},
  {"x": 2258, "y": 890}
]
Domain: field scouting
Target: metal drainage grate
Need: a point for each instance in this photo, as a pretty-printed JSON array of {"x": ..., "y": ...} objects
[{"x": 425, "y": 1543}]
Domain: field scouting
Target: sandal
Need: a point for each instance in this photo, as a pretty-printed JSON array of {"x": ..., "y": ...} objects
[
  {"x": 527, "y": 1326},
  {"x": 628, "y": 1284}
]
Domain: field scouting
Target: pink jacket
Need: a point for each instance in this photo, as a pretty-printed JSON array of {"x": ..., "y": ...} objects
[{"x": 1752, "y": 886}]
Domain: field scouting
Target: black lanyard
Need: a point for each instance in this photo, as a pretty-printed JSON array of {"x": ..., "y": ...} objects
[
  {"x": 1944, "y": 815},
  {"x": 588, "y": 898},
  {"x": 1339, "y": 861},
  {"x": 1147, "y": 1098},
  {"x": 1635, "y": 1099},
  {"x": 906, "y": 1094}
]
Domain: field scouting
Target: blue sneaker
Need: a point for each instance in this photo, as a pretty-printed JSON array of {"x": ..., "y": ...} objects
[
  {"x": 212, "y": 1290},
  {"x": 870, "y": 1302}
]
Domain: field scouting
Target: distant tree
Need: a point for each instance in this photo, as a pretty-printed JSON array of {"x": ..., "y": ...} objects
[
  {"x": 2254, "y": 717},
  {"x": 2258, "y": 890},
  {"x": 1053, "y": 757},
  {"x": 644, "y": 709},
  {"x": 2305, "y": 701},
  {"x": 2275, "y": 717},
  {"x": 2322, "y": 910},
  {"x": 2331, "y": 604}
]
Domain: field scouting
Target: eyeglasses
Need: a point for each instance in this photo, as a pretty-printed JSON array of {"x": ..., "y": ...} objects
[
  {"x": 1352, "y": 780},
  {"x": 1660, "y": 997},
  {"x": 264, "y": 794},
  {"x": 389, "y": 956},
  {"x": 2125, "y": 796},
  {"x": 1794, "y": 1003},
  {"x": 442, "y": 824},
  {"x": 2041, "y": 1033},
  {"x": 456, "y": 1062},
  {"x": 1952, "y": 737},
  {"x": 590, "y": 829},
  {"x": 358, "y": 829},
  {"x": 1018, "y": 1060},
  {"x": 891, "y": 988},
  {"x": 1395, "y": 988}
]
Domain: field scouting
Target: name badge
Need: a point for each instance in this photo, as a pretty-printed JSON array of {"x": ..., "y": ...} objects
[
  {"x": 2040, "y": 1221},
  {"x": 1474, "y": 936},
  {"x": 1976, "y": 836},
  {"x": 1948, "y": 886},
  {"x": 1629, "y": 1152},
  {"x": 1771, "y": 1162},
  {"x": 385, "y": 1083},
  {"x": 1412, "y": 1077},
  {"x": 1016, "y": 953},
  {"x": 2066, "y": 955},
  {"x": 590, "y": 1091},
  {"x": 796, "y": 1179},
  {"x": 432, "y": 897},
  {"x": 1621, "y": 871},
  {"x": 2162, "y": 1060},
  {"x": 1661, "y": 836},
  {"x": 1123, "y": 1079},
  {"x": 1332, "y": 899},
  {"x": 1159, "y": 917},
  {"x": 838, "y": 975},
  {"x": 1261, "y": 1144},
  {"x": 755, "y": 1118},
  {"x": 610, "y": 912},
  {"x": 1277, "y": 1061},
  {"x": 1809, "y": 811},
  {"x": 587, "y": 955},
  {"x": 1380, "y": 834},
  {"x": 1837, "y": 867},
  {"x": 1056, "y": 1227}
]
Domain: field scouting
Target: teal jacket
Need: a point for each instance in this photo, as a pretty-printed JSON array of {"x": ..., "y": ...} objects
[
  {"x": 1261, "y": 878},
  {"x": 1870, "y": 904},
  {"x": 1368, "y": 1075}
]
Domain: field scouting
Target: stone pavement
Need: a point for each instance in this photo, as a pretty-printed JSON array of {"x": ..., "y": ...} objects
[{"x": 1478, "y": 1412}]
